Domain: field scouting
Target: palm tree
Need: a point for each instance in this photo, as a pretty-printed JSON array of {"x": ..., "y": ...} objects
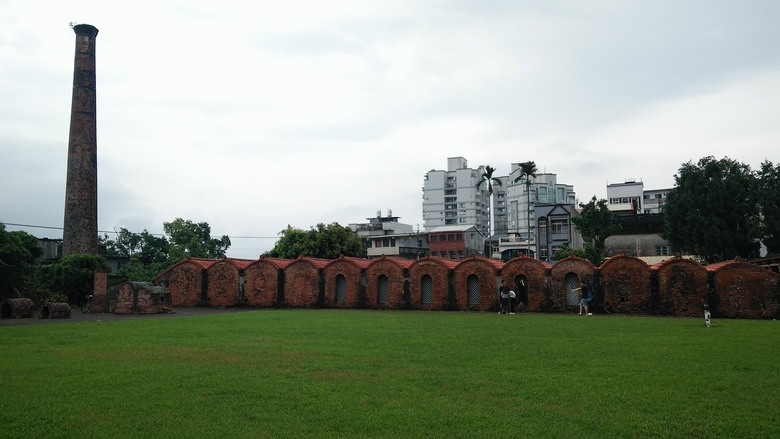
[
  {"x": 487, "y": 176},
  {"x": 528, "y": 171}
]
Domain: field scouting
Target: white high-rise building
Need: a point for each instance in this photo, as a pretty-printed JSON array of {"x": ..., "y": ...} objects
[{"x": 452, "y": 198}]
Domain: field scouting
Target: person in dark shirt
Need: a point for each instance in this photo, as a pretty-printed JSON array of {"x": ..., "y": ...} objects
[{"x": 585, "y": 298}]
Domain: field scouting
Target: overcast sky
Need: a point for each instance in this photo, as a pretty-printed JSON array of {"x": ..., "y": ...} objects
[{"x": 254, "y": 115}]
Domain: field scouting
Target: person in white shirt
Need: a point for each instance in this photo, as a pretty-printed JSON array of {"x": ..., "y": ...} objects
[{"x": 512, "y": 301}]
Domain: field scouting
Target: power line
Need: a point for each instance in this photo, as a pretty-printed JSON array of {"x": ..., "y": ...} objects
[{"x": 114, "y": 231}]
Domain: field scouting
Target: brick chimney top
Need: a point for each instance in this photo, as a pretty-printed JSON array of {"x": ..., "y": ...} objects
[{"x": 85, "y": 29}]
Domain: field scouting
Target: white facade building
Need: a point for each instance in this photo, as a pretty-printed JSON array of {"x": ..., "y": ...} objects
[
  {"x": 544, "y": 189},
  {"x": 385, "y": 236},
  {"x": 631, "y": 197},
  {"x": 451, "y": 197}
]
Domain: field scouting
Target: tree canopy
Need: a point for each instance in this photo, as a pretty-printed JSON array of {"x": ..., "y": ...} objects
[
  {"x": 769, "y": 200},
  {"x": 18, "y": 252},
  {"x": 150, "y": 254},
  {"x": 323, "y": 241},
  {"x": 595, "y": 223},
  {"x": 714, "y": 211}
]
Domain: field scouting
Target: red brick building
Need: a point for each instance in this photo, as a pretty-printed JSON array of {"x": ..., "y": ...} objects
[
  {"x": 623, "y": 284},
  {"x": 456, "y": 242}
]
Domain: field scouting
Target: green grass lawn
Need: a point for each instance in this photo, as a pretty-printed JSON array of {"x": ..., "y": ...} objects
[{"x": 391, "y": 374}]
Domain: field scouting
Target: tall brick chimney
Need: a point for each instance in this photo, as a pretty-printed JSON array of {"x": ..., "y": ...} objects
[{"x": 80, "y": 234}]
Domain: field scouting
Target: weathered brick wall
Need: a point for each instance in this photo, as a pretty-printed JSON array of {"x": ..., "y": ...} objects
[
  {"x": 184, "y": 282},
  {"x": 17, "y": 307},
  {"x": 556, "y": 283},
  {"x": 623, "y": 284},
  {"x": 746, "y": 290},
  {"x": 261, "y": 284},
  {"x": 125, "y": 298},
  {"x": 55, "y": 310},
  {"x": 301, "y": 284},
  {"x": 223, "y": 285},
  {"x": 142, "y": 298},
  {"x": 534, "y": 274},
  {"x": 99, "y": 293},
  {"x": 626, "y": 284},
  {"x": 682, "y": 287},
  {"x": 439, "y": 273},
  {"x": 352, "y": 280},
  {"x": 395, "y": 282},
  {"x": 485, "y": 273}
]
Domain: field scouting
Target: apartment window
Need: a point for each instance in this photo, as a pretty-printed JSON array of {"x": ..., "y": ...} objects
[
  {"x": 450, "y": 237},
  {"x": 378, "y": 243},
  {"x": 460, "y": 236},
  {"x": 559, "y": 226},
  {"x": 662, "y": 250}
]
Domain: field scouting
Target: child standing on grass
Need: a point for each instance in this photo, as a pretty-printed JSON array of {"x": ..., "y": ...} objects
[{"x": 503, "y": 296}]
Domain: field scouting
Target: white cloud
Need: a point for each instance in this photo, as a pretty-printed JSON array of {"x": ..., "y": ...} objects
[{"x": 252, "y": 116}]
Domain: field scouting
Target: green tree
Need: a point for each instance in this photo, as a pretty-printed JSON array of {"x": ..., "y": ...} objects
[
  {"x": 187, "y": 239},
  {"x": 595, "y": 223},
  {"x": 18, "y": 252},
  {"x": 587, "y": 252},
  {"x": 487, "y": 179},
  {"x": 150, "y": 254},
  {"x": 769, "y": 200},
  {"x": 528, "y": 171},
  {"x": 713, "y": 210},
  {"x": 144, "y": 247},
  {"x": 323, "y": 241},
  {"x": 72, "y": 276}
]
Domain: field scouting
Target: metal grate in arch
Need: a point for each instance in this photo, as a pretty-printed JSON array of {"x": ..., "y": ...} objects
[
  {"x": 572, "y": 282},
  {"x": 473, "y": 290},
  {"x": 427, "y": 290},
  {"x": 384, "y": 290},
  {"x": 341, "y": 289}
]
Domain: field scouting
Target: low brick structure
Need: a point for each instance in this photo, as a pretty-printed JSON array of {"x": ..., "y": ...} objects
[
  {"x": 626, "y": 281},
  {"x": 223, "y": 287},
  {"x": 623, "y": 284},
  {"x": 142, "y": 298},
  {"x": 566, "y": 275},
  {"x": 429, "y": 284},
  {"x": 682, "y": 287},
  {"x": 263, "y": 281},
  {"x": 55, "y": 310},
  {"x": 527, "y": 277},
  {"x": 745, "y": 290},
  {"x": 476, "y": 284},
  {"x": 186, "y": 281},
  {"x": 17, "y": 308},
  {"x": 302, "y": 282},
  {"x": 391, "y": 274},
  {"x": 344, "y": 283}
]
